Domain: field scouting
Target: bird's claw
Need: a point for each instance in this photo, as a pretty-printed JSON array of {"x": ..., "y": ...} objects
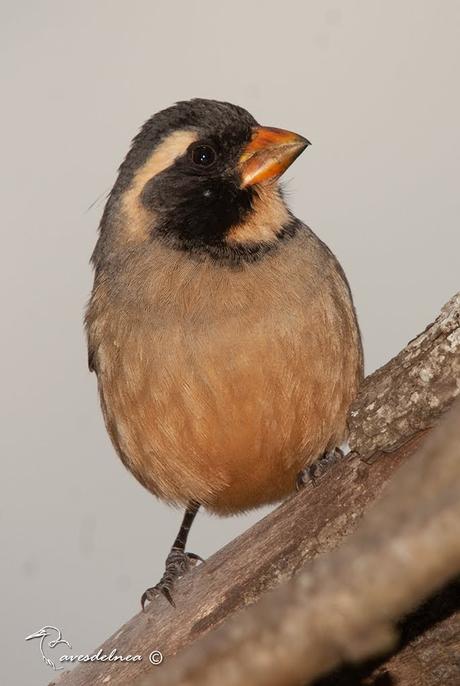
[
  {"x": 177, "y": 564},
  {"x": 315, "y": 471}
]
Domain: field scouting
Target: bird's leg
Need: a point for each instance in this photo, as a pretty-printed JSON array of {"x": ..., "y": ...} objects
[
  {"x": 177, "y": 563},
  {"x": 316, "y": 470}
]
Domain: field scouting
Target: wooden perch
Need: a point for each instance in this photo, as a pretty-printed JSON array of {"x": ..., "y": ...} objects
[
  {"x": 405, "y": 397},
  {"x": 344, "y": 606},
  {"x": 412, "y": 390}
]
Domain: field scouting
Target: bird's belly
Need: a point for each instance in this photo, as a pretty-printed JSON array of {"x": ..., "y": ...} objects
[{"x": 226, "y": 420}]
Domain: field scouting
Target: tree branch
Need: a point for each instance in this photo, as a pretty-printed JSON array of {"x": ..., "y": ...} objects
[
  {"x": 412, "y": 390},
  {"x": 407, "y": 396},
  {"x": 344, "y": 607}
]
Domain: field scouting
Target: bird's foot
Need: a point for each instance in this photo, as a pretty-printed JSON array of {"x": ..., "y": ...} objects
[
  {"x": 315, "y": 471},
  {"x": 177, "y": 564}
]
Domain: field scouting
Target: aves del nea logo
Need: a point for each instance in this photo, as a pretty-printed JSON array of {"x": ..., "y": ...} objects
[{"x": 56, "y": 660}]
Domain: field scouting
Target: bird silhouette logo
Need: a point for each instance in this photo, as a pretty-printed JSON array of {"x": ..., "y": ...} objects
[{"x": 44, "y": 633}]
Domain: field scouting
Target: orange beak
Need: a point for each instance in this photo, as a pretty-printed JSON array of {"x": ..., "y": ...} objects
[{"x": 268, "y": 154}]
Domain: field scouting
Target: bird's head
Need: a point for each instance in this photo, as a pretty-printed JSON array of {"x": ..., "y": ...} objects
[
  {"x": 202, "y": 175},
  {"x": 41, "y": 633}
]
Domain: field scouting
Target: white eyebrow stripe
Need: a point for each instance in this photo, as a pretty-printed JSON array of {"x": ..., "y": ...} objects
[
  {"x": 138, "y": 218},
  {"x": 164, "y": 155}
]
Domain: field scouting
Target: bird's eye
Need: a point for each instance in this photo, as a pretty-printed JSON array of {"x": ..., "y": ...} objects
[{"x": 203, "y": 155}]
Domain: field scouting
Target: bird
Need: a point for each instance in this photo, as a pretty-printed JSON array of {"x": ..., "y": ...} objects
[
  {"x": 46, "y": 632},
  {"x": 222, "y": 330}
]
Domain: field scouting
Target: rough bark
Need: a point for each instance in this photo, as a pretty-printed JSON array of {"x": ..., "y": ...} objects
[
  {"x": 407, "y": 396},
  {"x": 428, "y": 653},
  {"x": 412, "y": 390}
]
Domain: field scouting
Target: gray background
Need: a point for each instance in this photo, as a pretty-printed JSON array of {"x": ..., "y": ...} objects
[{"x": 374, "y": 86}]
